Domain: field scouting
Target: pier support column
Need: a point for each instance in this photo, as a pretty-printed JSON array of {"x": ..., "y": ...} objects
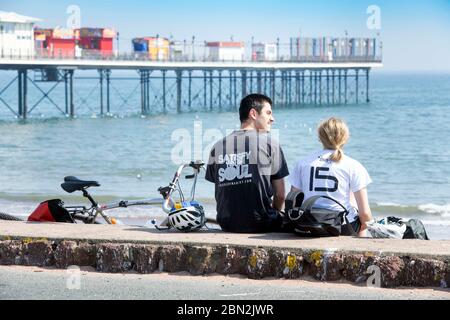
[
  {"x": 315, "y": 87},
  {"x": 108, "y": 73},
  {"x": 164, "y": 90},
  {"x": 356, "y": 85},
  {"x": 332, "y": 86},
  {"x": 328, "y": 86},
  {"x": 258, "y": 82},
  {"x": 179, "y": 74},
  {"x": 204, "y": 89},
  {"x": 71, "y": 105},
  {"x": 288, "y": 87},
  {"x": 100, "y": 73},
  {"x": 190, "y": 90},
  {"x": 311, "y": 86},
  {"x": 219, "y": 94},
  {"x": 211, "y": 90},
  {"x": 339, "y": 87},
  {"x": 142, "y": 81},
  {"x": 230, "y": 98},
  {"x": 303, "y": 87},
  {"x": 320, "y": 86},
  {"x": 20, "y": 93},
  {"x": 235, "y": 88},
  {"x": 292, "y": 86},
  {"x": 345, "y": 85},
  {"x": 147, "y": 90},
  {"x": 272, "y": 86},
  {"x": 25, "y": 94},
  {"x": 297, "y": 87},
  {"x": 367, "y": 85},
  {"x": 265, "y": 82},
  {"x": 244, "y": 82},
  {"x": 66, "y": 92}
]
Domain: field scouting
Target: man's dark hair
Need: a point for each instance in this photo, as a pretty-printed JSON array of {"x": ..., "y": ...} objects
[{"x": 252, "y": 101}]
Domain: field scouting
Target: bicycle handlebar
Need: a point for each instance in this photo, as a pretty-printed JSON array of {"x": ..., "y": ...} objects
[{"x": 168, "y": 203}]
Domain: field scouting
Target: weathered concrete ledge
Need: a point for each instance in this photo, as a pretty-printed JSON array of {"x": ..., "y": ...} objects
[{"x": 126, "y": 248}]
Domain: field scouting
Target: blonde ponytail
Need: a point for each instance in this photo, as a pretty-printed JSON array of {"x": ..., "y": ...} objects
[
  {"x": 337, "y": 155},
  {"x": 334, "y": 134}
]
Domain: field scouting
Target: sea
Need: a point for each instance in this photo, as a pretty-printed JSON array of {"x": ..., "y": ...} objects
[{"x": 401, "y": 136}]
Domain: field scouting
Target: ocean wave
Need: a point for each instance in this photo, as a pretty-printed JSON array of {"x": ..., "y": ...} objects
[
  {"x": 430, "y": 209},
  {"x": 442, "y": 210}
]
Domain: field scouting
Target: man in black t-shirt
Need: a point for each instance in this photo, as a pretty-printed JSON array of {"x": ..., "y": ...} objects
[{"x": 248, "y": 170}]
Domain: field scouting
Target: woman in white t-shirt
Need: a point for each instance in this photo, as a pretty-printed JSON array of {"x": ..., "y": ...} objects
[{"x": 330, "y": 173}]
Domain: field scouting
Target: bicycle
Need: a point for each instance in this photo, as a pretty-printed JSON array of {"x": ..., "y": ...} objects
[{"x": 183, "y": 215}]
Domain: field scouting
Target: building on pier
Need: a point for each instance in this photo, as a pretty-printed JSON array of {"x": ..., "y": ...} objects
[
  {"x": 264, "y": 52},
  {"x": 56, "y": 42},
  {"x": 16, "y": 34},
  {"x": 225, "y": 51},
  {"x": 334, "y": 49},
  {"x": 95, "y": 41},
  {"x": 152, "y": 48}
]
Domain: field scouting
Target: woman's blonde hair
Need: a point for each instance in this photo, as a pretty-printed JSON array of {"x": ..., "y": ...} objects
[{"x": 334, "y": 133}]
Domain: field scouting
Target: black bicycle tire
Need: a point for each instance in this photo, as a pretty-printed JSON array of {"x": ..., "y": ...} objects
[{"x": 9, "y": 217}]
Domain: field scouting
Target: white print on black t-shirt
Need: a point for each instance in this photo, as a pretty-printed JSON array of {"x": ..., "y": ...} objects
[
  {"x": 234, "y": 183},
  {"x": 236, "y": 166},
  {"x": 234, "y": 158},
  {"x": 234, "y": 172}
]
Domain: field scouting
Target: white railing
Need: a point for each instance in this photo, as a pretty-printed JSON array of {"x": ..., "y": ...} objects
[{"x": 87, "y": 55}]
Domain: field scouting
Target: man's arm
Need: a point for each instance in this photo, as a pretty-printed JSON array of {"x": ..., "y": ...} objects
[{"x": 278, "y": 194}]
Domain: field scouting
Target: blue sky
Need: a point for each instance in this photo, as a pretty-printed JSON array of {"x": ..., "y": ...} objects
[{"x": 415, "y": 34}]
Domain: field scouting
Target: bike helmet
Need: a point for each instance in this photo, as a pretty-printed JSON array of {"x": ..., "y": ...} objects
[{"x": 187, "y": 219}]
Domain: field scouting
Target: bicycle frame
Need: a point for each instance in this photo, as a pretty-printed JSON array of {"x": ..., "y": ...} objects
[{"x": 166, "y": 202}]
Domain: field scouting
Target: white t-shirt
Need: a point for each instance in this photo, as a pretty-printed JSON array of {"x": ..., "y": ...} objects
[{"x": 317, "y": 175}]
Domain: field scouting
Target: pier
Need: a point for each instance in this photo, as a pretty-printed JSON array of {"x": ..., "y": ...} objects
[{"x": 183, "y": 86}]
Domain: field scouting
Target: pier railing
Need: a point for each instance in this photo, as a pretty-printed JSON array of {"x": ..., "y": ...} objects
[{"x": 96, "y": 56}]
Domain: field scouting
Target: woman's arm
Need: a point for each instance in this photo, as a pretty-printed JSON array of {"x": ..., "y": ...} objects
[{"x": 365, "y": 215}]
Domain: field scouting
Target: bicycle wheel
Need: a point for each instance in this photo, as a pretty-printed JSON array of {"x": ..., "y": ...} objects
[{"x": 6, "y": 216}]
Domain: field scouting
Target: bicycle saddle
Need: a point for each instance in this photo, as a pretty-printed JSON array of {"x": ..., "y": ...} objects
[{"x": 72, "y": 184}]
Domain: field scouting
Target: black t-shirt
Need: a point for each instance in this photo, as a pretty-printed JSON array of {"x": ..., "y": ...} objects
[{"x": 242, "y": 166}]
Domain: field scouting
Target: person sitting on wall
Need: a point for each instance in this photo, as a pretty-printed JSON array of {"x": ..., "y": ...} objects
[
  {"x": 248, "y": 169},
  {"x": 329, "y": 172}
]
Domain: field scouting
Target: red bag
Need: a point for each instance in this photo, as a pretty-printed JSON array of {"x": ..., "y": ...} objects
[{"x": 51, "y": 211}]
